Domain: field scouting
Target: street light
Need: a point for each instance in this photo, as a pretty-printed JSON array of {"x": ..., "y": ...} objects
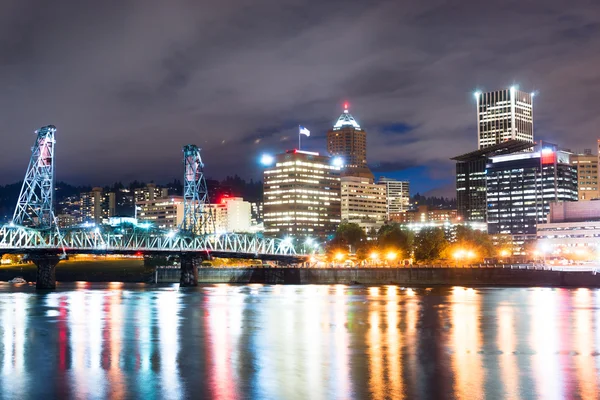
[{"x": 339, "y": 256}]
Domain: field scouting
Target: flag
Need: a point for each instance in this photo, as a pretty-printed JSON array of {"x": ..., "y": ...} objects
[{"x": 304, "y": 131}]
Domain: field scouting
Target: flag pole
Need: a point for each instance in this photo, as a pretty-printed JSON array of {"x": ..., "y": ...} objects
[{"x": 299, "y": 139}]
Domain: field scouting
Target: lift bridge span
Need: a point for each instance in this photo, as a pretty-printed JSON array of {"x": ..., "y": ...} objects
[{"x": 34, "y": 232}]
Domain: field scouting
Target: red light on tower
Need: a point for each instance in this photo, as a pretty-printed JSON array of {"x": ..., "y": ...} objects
[{"x": 346, "y": 106}]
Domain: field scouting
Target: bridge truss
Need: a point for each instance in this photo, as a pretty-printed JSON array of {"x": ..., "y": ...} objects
[{"x": 134, "y": 240}]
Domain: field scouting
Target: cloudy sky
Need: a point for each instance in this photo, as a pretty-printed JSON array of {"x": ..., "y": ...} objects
[{"x": 128, "y": 82}]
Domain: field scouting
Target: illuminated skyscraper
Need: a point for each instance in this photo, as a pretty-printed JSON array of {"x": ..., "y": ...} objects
[
  {"x": 301, "y": 195},
  {"x": 504, "y": 115},
  {"x": 349, "y": 141}
]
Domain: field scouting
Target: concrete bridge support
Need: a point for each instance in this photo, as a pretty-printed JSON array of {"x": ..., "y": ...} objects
[
  {"x": 189, "y": 270},
  {"x": 46, "y": 271}
]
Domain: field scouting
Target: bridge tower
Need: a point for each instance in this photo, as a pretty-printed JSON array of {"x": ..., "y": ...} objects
[
  {"x": 35, "y": 204},
  {"x": 196, "y": 218}
]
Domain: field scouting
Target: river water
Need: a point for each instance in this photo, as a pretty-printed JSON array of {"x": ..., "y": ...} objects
[{"x": 298, "y": 342}]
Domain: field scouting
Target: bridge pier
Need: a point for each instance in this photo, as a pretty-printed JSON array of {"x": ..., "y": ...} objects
[
  {"x": 189, "y": 270},
  {"x": 46, "y": 271}
]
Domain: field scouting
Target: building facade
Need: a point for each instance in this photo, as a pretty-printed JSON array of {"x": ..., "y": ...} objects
[
  {"x": 231, "y": 215},
  {"x": 587, "y": 175},
  {"x": 471, "y": 187},
  {"x": 150, "y": 193},
  {"x": 572, "y": 231},
  {"x": 95, "y": 206},
  {"x": 164, "y": 213},
  {"x": 397, "y": 195},
  {"x": 301, "y": 195},
  {"x": 520, "y": 188},
  {"x": 424, "y": 214},
  {"x": 363, "y": 202},
  {"x": 503, "y": 115},
  {"x": 348, "y": 141}
]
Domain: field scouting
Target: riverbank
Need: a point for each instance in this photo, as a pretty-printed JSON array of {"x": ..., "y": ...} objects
[
  {"x": 391, "y": 276},
  {"x": 122, "y": 270}
]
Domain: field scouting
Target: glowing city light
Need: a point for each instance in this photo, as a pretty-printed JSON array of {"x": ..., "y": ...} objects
[
  {"x": 477, "y": 94},
  {"x": 374, "y": 255},
  {"x": 337, "y": 161},
  {"x": 267, "y": 159},
  {"x": 391, "y": 255},
  {"x": 339, "y": 256}
]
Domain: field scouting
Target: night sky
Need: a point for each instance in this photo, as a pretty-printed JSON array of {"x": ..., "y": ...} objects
[{"x": 127, "y": 83}]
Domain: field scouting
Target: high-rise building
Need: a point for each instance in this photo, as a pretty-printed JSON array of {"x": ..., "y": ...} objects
[
  {"x": 503, "y": 115},
  {"x": 150, "y": 193},
  {"x": 348, "y": 141},
  {"x": 164, "y": 213},
  {"x": 521, "y": 186},
  {"x": 587, "y": 175},
  {"x": 301, "y": 195},
  {"x": 424, "y": 214},
  {"x": 397, "y": 194},
  {"x": 363, "y": 202},
  {"x": 471, "y": 192},
  {"x": 96, "y": 205}
]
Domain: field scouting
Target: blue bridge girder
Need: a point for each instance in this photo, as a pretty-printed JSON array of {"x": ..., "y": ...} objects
[{"x": 135, "y": 240}]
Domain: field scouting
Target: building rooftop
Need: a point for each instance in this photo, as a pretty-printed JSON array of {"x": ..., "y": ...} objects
[
  {"x": 346, "y": 119},
  {"x": 509, "y": 146}
]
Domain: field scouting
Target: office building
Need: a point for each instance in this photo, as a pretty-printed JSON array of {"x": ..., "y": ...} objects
[
  {"x": 587, "y": 175},
  {"x": 572, "y": 231},
  {"x": 163, "y": 213},
  {"x": 504, "y": 115},
  {"x": 397, "y": 195},
  {"x": 363, "y": 202},
  {"x": 521, "y": 186},
  {"x": 301, "y": 195},
  {"x": 231, "y": 215},
  {"x": 150, "y": 193},
  {"x": 95, "y": 206},
  {"x": 471, "y": 182},
  {"x": 348, "y": 141},
  {"x": 424, "y": 214}
]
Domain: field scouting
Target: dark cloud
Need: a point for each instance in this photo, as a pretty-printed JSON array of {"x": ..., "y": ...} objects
[{"x": 129, "y": 82}]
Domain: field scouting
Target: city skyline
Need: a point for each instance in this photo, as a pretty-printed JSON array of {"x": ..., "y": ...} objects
[{"x": 123, "y": 108}]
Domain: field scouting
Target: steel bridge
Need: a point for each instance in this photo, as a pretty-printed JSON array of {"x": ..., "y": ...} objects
[{"x": 34, "y": 232}]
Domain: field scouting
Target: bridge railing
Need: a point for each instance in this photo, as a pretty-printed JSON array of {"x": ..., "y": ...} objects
[{"x": 13, "y": 237}]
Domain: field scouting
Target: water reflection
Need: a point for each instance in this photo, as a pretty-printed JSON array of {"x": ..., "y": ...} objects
[{"x": 318, "y": 342}]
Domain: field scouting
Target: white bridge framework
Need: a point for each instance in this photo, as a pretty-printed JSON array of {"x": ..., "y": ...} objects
[{"x": 130, "y": 240}]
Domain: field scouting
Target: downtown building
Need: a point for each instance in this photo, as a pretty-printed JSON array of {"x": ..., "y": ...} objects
[
  {"x": 572, "y": 231},
  {"x": 587, "y": 175},
  {"x": 301, "y": 195},
  {"x": 521, "y": 186},
  {"x": 397, "y": 195},
  {"x": 363, "y": 202},
  {"x": 347, "y": 140},
  {"x": 503, "y": 115},
  {"x": 96, "y": 206},
  {"x": 471, "y": 184}
]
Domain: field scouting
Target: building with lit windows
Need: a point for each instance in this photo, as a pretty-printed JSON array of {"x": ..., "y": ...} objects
[
  {"x": 164, "y": 213},
  {"x": 150, "y": 193},
  {"x": 232, "y": 214},
  {"x": 503, "y": 115},
  {"x": 301, "y": 195},
  {"x": 349, "y": 141},
  {"x": 521, "y": 186},
  {"x": 363, "y": 202},
  {"x": 95, "y": 206},
  {"x": 397, "y": 195},
  {"x": 572, "y": 231},
  {"x": 424, "y": 214},
  {"x": 587, "y": 175},
  {"x": 471, "y": 189}
]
